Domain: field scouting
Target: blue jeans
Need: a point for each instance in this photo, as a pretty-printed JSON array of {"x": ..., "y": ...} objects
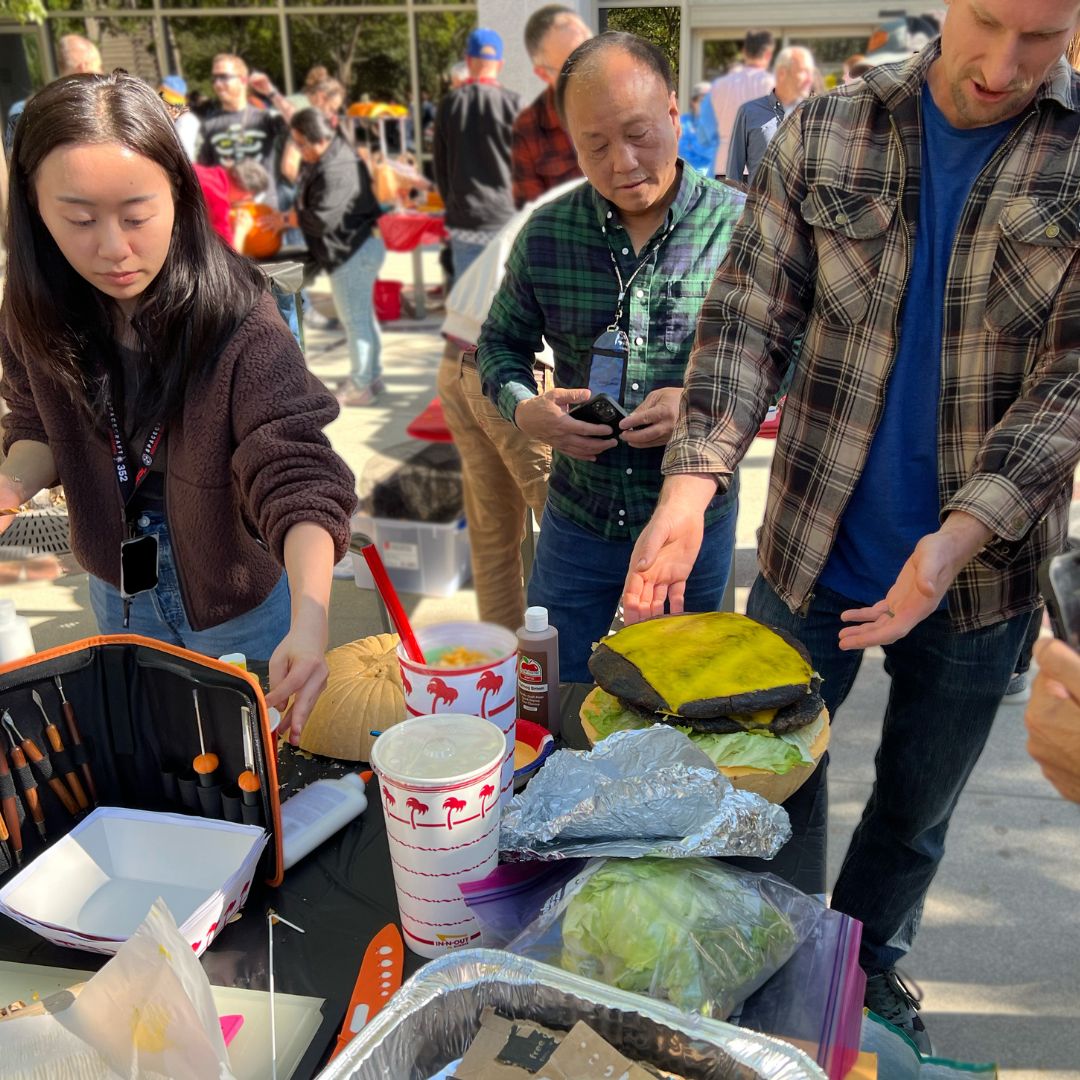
[
  {"x": 578, "y": 576},
  {"x": 945, "y": 691},
  {"x": 465, "y": 254},
  {"x": 159, "y": 613},
  {"x": 353, "y": 287}
]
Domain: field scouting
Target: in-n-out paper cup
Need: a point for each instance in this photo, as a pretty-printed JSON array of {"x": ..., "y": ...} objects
[
  {"x": 487, "y": 689},
  {"x": 439, "y": 777}
]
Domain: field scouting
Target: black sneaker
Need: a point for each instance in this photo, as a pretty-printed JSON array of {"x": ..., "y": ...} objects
[{"x": 889, "y": 997}]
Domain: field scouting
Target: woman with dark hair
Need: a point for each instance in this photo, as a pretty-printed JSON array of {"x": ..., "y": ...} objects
[
  {"x": 336, "y": 211},
  {"x": 148, "y": 370}
]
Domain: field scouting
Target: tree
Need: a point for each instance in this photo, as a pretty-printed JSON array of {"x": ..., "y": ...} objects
[{"x": 660, "y": 25}]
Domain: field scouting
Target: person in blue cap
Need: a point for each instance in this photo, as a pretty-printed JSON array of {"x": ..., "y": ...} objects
[
  {"x": 473, "y": 129},
  {"x": 173, "y": 91}
]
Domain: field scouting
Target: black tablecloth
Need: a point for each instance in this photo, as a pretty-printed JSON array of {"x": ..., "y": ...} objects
[{"x": 343, "y": 893}]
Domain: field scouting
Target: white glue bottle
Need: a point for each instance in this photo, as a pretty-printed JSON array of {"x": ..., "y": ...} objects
[
  {"x": 538, "y": 671},
  {"x": 16, "y": 641},
  {"x": 316, "y": 812}
]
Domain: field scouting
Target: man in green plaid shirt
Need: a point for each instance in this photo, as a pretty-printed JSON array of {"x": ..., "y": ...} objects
[{"x": 635, "y": 249}]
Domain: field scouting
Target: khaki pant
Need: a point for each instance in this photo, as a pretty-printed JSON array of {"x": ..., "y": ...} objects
[{"x": 502, "y": 471}]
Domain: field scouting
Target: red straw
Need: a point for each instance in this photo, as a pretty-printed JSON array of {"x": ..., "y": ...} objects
[{"x": 393, "y": 604}]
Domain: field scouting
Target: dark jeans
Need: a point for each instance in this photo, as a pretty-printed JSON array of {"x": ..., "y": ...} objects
[
  {"x": 946, "y": 688},
  {"x": 579, "y": 576}
]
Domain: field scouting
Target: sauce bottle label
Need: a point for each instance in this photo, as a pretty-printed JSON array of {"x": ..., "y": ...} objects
[{"x": 531, "y": 676}]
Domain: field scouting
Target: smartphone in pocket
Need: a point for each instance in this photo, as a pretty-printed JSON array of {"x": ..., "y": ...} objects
[{"x": 1059, "y": 582}]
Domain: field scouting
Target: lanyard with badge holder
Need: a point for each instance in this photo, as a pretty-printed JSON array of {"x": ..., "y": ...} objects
[
  {"x": 610, "y": 352},
  {"x": 138, "y": 554}
]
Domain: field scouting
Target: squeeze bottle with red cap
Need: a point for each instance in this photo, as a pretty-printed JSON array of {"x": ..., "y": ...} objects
[{"x": 538, "y": 671}]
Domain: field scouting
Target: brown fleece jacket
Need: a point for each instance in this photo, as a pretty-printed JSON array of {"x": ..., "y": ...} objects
[{"x": 247, "y": 460}]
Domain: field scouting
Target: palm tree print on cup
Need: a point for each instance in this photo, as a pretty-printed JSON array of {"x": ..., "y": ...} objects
[
  {"x": 486, "y": 791},
  {"x": 439, "y": 691},
  {"x": 388, "y": 799},
  {"x": 489, "y": 683},
  {"x": 405, "y": 683},
  {"x": 450, "y": 805},
  {"x": 415, "y": 806}
]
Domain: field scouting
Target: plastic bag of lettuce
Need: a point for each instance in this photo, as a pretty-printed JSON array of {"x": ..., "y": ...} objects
[{"x": 694, "y": 932}]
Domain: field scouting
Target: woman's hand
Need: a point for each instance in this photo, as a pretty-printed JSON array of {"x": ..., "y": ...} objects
[
  {"x": 298, "y": 667},
  {"x": 298, "y": 670}
]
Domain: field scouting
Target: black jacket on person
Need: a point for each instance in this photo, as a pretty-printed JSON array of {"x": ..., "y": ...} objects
[
  {"x": 335, "y": 206},
  {"x": 473, "y": 127}
]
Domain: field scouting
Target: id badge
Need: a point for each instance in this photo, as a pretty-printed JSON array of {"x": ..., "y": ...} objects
[
  {"x": 138, "y": 565},
  {"x": 607, "y": 363}
]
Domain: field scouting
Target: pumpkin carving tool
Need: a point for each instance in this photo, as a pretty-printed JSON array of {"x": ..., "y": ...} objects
[
  {"x": 30, "y": 791},
  {"x": 75, "y": 738},
  {"x": 204, "y": 764},
  {"x": 52, "y": 733},
  {"x": 272, "y": 918},
  {"x": 378, "y": 979},
  {"x": 248, "y": 781},
  {"x": 9, "y": 807},
  {"x": 44, "y": 767}
]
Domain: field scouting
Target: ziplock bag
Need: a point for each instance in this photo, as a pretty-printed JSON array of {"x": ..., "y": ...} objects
[{"x": 690, "y": 931}]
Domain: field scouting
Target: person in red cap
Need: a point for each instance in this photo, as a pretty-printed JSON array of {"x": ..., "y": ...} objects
[{"x": 473, "y": 129}]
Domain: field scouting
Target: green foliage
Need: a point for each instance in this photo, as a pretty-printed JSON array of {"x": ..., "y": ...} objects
[
  {"x": 660, "y": 25},
  {"x": 23, "y": 11}
]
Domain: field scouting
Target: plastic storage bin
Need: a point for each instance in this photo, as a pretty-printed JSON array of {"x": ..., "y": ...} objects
[{"x": 420, "y": 557}]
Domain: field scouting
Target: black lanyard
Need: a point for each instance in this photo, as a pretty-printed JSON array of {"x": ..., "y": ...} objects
[
  {"x": 624, "y": 288},
  {"x": 130, "y": 482}
]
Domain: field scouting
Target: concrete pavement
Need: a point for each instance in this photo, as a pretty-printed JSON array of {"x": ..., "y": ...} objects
[{"x": 998, "y": 955}]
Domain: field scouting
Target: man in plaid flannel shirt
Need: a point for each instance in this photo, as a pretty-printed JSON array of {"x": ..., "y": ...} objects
[
  {"x": 541, "y": 154},
  {"x": 919, "y": 229}
]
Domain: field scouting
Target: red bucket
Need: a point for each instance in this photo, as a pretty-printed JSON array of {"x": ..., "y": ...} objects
[{"x": 388, "y": 300}]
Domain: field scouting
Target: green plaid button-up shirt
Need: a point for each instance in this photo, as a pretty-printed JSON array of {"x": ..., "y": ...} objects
[
  {"x": 824, "y": 250},
  {"x": 560, "y": 285}
]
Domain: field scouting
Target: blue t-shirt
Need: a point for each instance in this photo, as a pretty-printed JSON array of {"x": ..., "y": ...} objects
[{"x": 895, "y": 502}]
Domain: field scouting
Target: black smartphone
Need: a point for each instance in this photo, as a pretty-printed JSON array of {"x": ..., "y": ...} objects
[
  {"x": 600, "y": 409},
  {"x": 1059, "y": 582},
  {"x": 138, "y": 565}
]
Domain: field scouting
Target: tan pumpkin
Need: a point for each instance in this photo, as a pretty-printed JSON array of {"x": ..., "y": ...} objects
[{"x": 363, "y": 694}]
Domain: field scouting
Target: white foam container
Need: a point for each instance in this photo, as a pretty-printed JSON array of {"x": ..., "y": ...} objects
[{"x": 93, "y": 887}]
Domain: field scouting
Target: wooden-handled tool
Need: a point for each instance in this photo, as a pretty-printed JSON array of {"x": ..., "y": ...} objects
[
  {"x": 52, "y": 733},
  {"x": 4, "y": 849},
  {"x": 205, "y": 765},
  {"x": 44, "y": 766},
  {"x": 9, "y": 806},
  {"x": 75, "y": 739},
  {"x": 30, "y": 792}
]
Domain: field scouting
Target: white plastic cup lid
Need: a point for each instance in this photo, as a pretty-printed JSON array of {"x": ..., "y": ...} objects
[{"x": 438, "y": 749}]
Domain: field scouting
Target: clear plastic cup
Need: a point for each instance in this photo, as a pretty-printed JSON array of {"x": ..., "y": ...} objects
[{"x": 439, "y": 784}]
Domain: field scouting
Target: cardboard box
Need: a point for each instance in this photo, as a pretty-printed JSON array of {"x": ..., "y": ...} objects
[{"x": 93, "y": 887}]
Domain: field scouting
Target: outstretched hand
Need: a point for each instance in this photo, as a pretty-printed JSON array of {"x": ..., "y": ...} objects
[
  {"x": 667, "y": 549},
  {"x": 923, "y": 581}
]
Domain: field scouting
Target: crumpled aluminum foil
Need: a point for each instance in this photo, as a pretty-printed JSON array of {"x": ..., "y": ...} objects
[
  {"x": 637, "y": 793},
  {"x": 433, "y": 1018}
]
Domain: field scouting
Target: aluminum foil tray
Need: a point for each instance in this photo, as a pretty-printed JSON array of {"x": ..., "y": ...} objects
[{"x": 432, "y": 1020}]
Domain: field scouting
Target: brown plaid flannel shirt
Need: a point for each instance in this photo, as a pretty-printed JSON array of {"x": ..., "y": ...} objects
[
  {"x": 824, "y": 250},
  {"x": 541, "y": 153}
]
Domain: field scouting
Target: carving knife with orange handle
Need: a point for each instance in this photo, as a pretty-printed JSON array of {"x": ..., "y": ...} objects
[{"x": 380, "y": 976}]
